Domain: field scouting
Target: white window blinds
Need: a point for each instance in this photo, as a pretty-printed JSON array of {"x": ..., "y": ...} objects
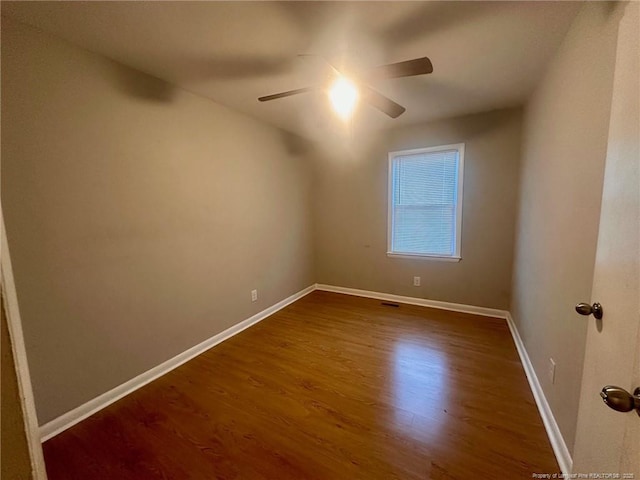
[{"x": 424, "y": 202}]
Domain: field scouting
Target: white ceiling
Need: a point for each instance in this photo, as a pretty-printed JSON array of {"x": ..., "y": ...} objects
[{"x": 486, "y": 55}]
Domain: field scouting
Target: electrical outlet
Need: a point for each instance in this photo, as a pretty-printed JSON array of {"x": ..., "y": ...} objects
[
  {"x": 254, "y": 295},
  {"x": 416, "y": 281},
  {"x": 552, "y": 371}
]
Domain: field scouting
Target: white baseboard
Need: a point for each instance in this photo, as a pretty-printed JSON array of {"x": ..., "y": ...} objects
[
  {"x": 553, "y": 431},
  {"x": 69, "y": 419},
  {"x": 455, "y": 307}
]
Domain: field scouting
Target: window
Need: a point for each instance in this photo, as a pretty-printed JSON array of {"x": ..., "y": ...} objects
[{"x": 425, "y": 202}]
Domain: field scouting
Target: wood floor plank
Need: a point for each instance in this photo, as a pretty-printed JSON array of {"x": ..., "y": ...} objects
[{"x": 331, "y": 387}]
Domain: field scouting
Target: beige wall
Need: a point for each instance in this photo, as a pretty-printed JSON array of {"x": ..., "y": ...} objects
[
  {"x": 350, "y": 192},
  {"x": 564, "y": 147},
  {"x": 139, "y": 216}
]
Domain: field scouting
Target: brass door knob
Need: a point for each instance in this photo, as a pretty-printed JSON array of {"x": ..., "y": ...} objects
[
  {"x": 586, "y": 309},
  {"x": 620, "y": 400}
]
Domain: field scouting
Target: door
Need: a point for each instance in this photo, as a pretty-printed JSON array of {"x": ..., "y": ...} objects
[{"x": 608, "y": 441}]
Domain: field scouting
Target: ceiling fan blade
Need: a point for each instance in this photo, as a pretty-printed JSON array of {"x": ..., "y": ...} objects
[
  {"x": 288, "y": 93},
  {"x": 418, "y": 66},
  {"x": 382, "y": 103}
]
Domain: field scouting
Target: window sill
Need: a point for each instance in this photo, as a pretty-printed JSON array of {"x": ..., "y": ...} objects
[{"x": 440, "y": 258}]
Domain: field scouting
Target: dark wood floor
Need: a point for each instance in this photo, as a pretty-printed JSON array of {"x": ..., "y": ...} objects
[{"x": 331, "y": 387}]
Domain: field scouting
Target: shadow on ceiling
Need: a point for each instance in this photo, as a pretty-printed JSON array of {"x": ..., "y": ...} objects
[
  {"x": 142, "y": 86},
  {"x": 432, "y": 17},
  {"x": 232, "y": 68},
  {"x": 295, "y": 144}
]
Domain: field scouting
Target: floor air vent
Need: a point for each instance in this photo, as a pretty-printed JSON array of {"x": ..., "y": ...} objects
[{"x": 390, "y": 304}]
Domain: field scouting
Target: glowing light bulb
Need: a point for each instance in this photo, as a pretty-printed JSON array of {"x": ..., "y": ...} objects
[{"x": 344, "y": 97}]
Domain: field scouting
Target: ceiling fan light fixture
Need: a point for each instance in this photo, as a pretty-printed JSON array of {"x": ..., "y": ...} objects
[{"x": 343, "y": 95}]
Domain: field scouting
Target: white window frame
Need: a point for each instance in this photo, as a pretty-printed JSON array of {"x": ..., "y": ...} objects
[{"x": 456, "y": 256}]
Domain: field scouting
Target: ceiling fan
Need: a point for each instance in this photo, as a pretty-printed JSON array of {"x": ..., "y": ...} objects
[{"x": 345, "y": 87}]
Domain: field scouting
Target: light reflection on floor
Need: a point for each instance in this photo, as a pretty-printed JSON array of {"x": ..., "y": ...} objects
[{"x": 420, "y": 389}]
